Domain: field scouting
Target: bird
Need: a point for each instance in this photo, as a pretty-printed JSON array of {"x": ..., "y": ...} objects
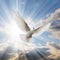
[{"x": 28, "y": 33}]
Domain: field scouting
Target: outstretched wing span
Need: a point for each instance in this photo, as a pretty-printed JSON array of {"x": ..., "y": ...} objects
[{"x": 38, "y": 31}]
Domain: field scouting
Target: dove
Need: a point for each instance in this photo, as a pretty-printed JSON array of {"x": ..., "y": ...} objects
[{"x": 28, "y": 33}]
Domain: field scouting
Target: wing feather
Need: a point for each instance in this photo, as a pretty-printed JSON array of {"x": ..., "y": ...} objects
[{"x": 21, "y": 22}]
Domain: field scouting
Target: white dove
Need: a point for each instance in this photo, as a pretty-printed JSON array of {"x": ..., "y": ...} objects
[{"x": 28, "y": 33}]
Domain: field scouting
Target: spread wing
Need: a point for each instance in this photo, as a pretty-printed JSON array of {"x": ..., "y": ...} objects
[
  {"x": 21, "y": 22},
  {"x": 41, "y": 29},
  {"x": 38, "y": 31}
]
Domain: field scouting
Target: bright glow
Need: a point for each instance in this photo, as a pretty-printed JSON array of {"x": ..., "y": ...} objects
[{"x": 13, "y": 32}]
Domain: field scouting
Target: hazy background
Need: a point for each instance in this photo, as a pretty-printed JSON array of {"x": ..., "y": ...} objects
[{"x": 45, "y": 46}]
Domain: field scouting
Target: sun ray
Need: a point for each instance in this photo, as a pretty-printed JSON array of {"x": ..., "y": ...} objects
[
  {"x": 17, "y": 5},
  {"x": 23, "y": 3}
]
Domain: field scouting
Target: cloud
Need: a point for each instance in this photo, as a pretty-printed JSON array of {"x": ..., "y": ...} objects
[
  {"x": 54, "y": 49},
  {"x": 50, "y": 51},
  {"x": 54, "y": 45},
  {"x": 54, "y": 18},
  {"x": 55, "y": 35},
  {"x": 51, "y": 17}
]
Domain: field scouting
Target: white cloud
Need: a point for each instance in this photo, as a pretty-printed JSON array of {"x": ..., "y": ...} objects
[
  {"x": 54, "y": 16},
  {"x": 54, "y": 49}
]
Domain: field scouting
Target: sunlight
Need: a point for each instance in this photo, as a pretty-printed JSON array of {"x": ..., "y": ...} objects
[
  {"x": 13, "y": 31},
  {"x": 16, "y": 5}
]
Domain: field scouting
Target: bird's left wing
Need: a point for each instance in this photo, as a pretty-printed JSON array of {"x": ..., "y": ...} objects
[{"x": 21, "y": 22}]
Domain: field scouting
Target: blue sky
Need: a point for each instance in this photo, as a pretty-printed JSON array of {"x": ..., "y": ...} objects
[{"x": 36, "y": 9}]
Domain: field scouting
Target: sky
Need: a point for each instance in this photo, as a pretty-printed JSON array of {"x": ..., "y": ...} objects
[{"x": 35, "y": 13}]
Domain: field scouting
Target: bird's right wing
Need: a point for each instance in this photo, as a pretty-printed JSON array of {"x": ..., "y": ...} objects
[
  {"x": 21, "y": 22},
  {"x": 41, "y": 29}
]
